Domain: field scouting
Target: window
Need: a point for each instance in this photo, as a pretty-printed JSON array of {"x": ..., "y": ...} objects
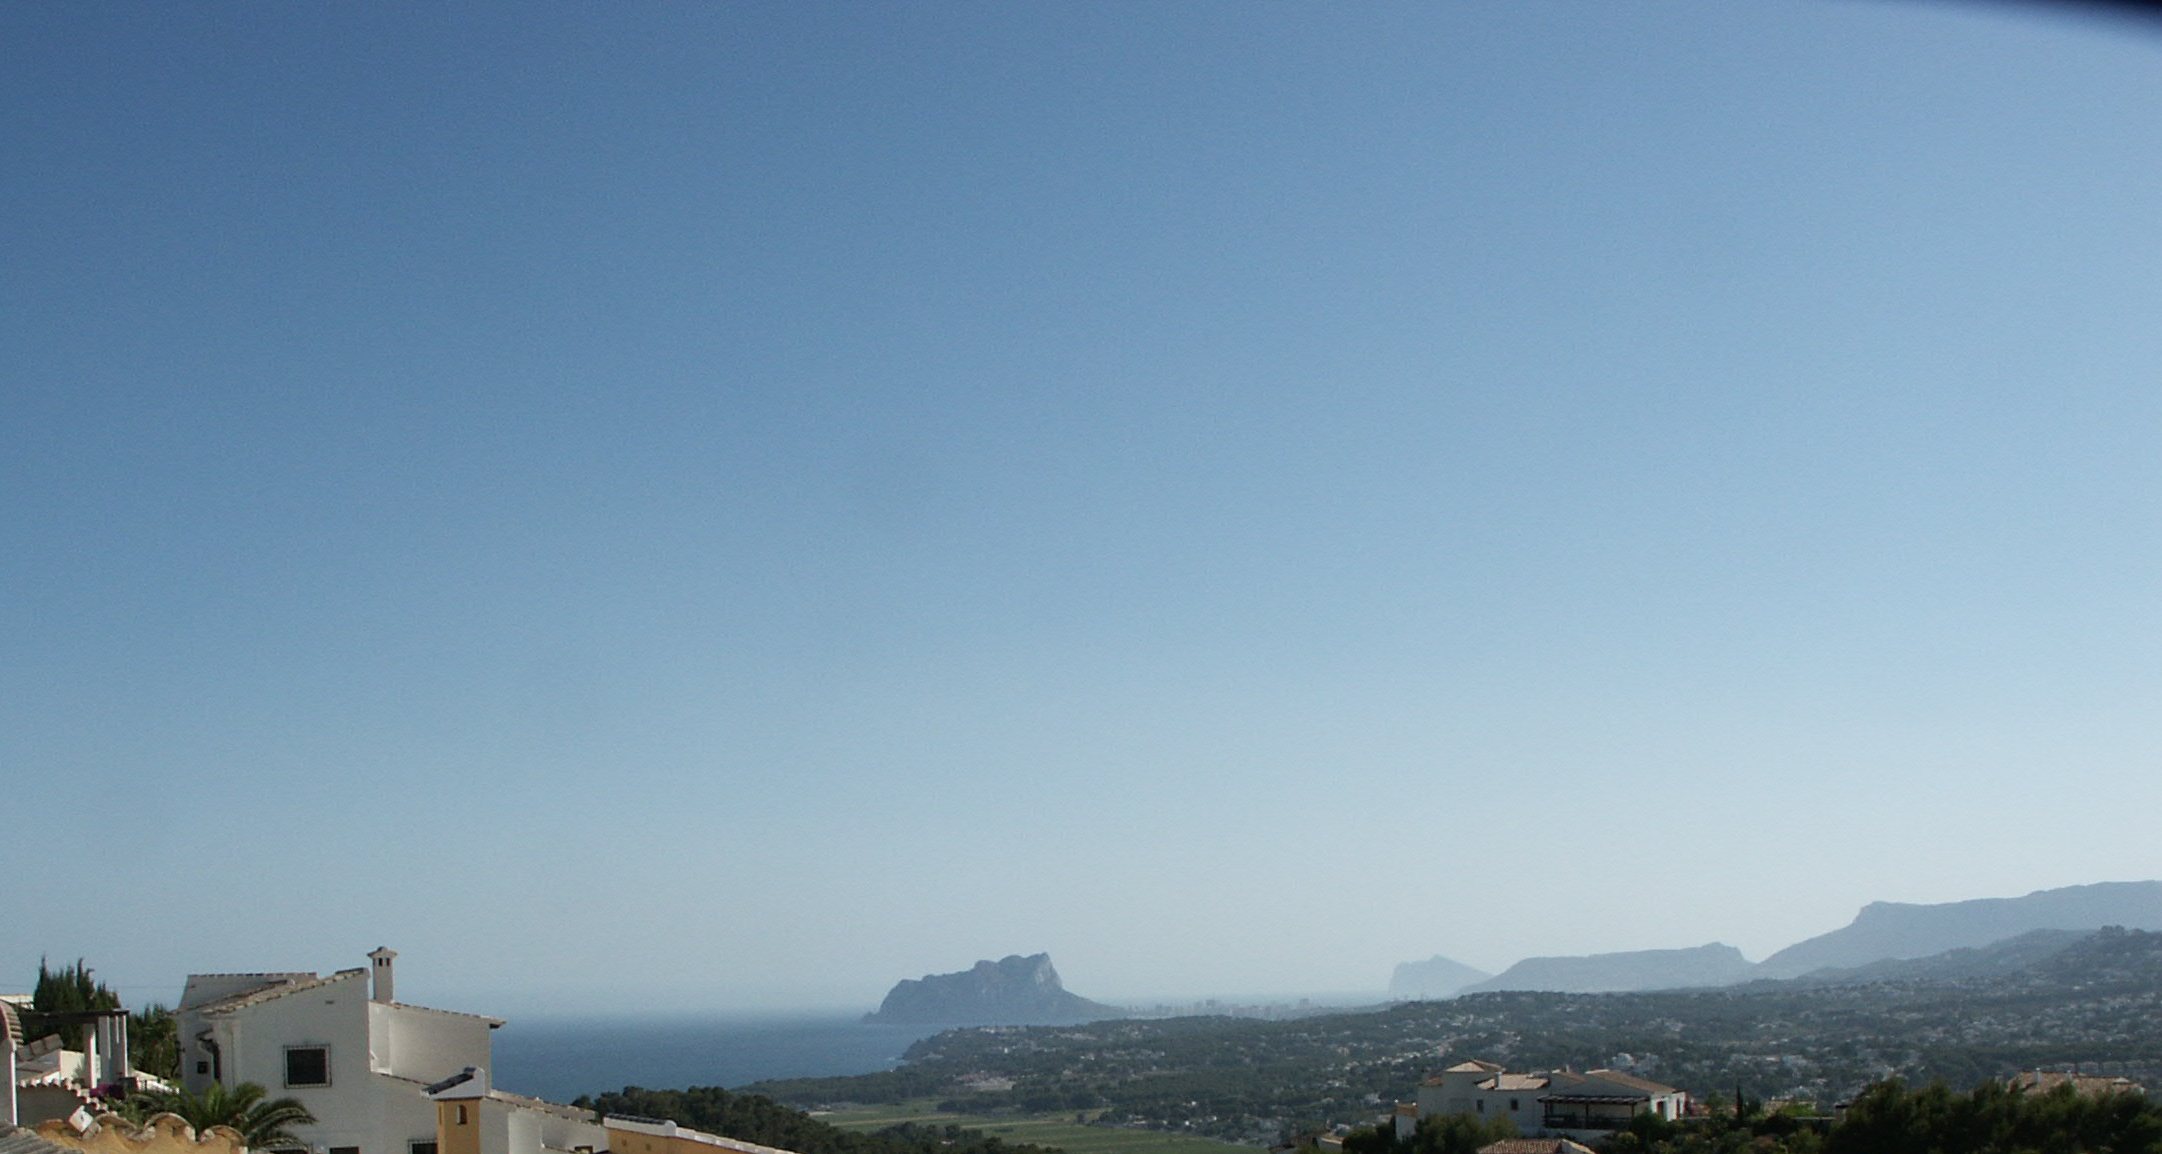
[
  {"x": 202, "y": 1067},
  {"x": 1512, "y": 1110},
  {"x": 461, "y": 1113},
  {"x": 307, "y": 1065},
  {"x": 345, "y": 1150},
  {"x": 420, "y": 1147}
]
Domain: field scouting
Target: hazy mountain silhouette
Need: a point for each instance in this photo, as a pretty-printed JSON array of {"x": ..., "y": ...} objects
[
  {"x": 1707, "y": 965},
  {"x": 1436, "y": 977},
  {"x": 1900, "y": 930}
]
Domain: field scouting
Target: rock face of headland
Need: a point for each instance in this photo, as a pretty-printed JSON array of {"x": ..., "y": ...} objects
[{"x": 1013, "y": 991}]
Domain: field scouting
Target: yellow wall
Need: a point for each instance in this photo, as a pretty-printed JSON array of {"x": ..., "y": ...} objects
[
  {"x": 453, "y": 1136},
  {"x": 630, "y": 1142}
]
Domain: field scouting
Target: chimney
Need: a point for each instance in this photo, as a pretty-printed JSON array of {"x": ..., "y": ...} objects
[
  {"x": 380, "y": 973},
  {"x": 107, "y": 1059},
  {"x": 11, "y": 1032}
]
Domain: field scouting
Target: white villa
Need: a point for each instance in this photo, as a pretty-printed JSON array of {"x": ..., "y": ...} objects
[
  {"x": 1560, "y": 1102},
  {"x": 362, "y": 1062}
]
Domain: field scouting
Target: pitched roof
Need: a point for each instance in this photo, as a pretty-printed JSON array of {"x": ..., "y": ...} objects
[
  {"x": 276, "y": 986},
  {"x": 233, "y": 986},
  {"x": 1476, "y": 1066},
  {"x": 1631, "y": 1081},
  {"x": 492, "y": 1022},
  {"x": 17, "y": 1140},
  {"x": 1535, "y": 1146}
]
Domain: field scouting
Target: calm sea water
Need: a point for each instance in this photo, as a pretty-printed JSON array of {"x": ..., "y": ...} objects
[{"x": 561, "y": 1058}]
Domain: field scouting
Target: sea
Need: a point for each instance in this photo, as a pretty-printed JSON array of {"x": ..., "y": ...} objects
[{"x": 561, "y": 1058}]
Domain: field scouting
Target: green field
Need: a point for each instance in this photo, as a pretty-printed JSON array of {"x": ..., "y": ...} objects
[{"x": 1043, "y": 1130}]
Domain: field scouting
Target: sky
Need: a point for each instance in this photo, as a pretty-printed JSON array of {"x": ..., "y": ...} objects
[{"x": 728, "y": 506}]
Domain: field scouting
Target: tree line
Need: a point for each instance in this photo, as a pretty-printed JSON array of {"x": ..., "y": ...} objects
[
  {"x": 153, "y": 1032},
  {"x": 1888, "y": 1118}
]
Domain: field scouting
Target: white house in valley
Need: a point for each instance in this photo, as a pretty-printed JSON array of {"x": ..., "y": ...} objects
[
  {"x": 1560, "y": 1102},
  {"x": 360, "y": 1061}
]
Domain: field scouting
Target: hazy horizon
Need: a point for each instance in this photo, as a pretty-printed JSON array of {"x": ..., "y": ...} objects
[
  {"x": 596, "y": 1003},
  {"x": 736, "y": 505}
]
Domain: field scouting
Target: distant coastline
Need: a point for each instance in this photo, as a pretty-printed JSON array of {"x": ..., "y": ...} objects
[{"x": 561, "y": 1058}]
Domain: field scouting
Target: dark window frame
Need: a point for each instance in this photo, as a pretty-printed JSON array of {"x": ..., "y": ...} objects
[{"x": 322, "y": 1048}]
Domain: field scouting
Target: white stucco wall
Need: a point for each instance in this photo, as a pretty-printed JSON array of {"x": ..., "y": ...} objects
[
  {"x": 427, "y": 1045},
  {"x": 376, "y": 1112},
  {"x": 382, "y": 1056},
  {"x": 568, "y": 1134},
  {"x": 255, "y": 1040},
  {"x": 525, "y": 1133}
]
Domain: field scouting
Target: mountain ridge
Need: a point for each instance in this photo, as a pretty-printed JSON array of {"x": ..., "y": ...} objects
[
  {"x": 1882, "y": 932},
  {"x": 1896, "y": 930}
]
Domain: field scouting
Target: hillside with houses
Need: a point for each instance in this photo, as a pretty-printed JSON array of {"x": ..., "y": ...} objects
[{"x": 2094, "y": 1005}]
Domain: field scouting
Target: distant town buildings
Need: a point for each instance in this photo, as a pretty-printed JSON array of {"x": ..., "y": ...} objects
[{"x": 2086, "y": 1085}]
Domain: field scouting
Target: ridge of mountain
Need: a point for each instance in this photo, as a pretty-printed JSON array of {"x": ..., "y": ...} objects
[
  {"x": 1900, "y": 930},
  {"x": 1714, "y": 964},
  {"x": 1013, "y": 991},
  {"x": 2008, "y": 956}
]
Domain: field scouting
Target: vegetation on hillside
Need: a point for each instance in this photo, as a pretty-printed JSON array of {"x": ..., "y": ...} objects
[
  {"x": 1996, "y": 1119},
  {"x": 1437, "y": 1134},
  {"x": 2097, "y": 1004},
  {"x": 1888, "y": 1118}
]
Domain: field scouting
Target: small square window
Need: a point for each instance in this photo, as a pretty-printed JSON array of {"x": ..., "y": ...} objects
[
  {"x": 202, "y": 1067},
  {"x": 307, "y": 1065}
]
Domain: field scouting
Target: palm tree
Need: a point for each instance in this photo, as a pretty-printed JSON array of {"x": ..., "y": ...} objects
[{"x": 263, "y": 1124}]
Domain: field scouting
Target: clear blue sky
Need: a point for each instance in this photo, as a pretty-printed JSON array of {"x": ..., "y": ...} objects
[{"x": 732, "y": 505}]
